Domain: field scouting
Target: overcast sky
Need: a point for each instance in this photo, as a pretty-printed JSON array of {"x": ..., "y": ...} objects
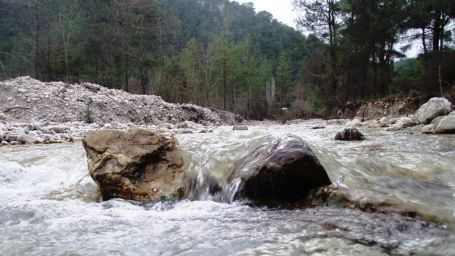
[{"x": 282, "y": 10}]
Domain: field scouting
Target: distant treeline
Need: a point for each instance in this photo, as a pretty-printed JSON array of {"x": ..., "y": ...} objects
[
  {"x": 363, "y": 40},
  {"x": 223, "y": 54}
]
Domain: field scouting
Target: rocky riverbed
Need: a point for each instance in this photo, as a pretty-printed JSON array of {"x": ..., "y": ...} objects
[{"x": 32, "y": 111}]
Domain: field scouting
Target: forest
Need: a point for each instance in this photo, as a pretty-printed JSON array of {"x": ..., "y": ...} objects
[{"x": 225, "y": 55}]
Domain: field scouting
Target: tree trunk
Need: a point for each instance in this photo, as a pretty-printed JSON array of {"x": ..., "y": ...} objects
[
  {"x": 424, "y": 41},
  {"x": 437, "y": 32}
]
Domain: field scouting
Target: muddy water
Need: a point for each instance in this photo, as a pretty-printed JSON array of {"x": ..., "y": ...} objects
[{"x": 48, "y": 203}]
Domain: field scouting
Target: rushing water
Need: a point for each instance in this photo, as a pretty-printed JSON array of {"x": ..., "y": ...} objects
[{"x": 48, "y": 203}]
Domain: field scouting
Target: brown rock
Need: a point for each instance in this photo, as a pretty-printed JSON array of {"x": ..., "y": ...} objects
[
  {"x": 349, "y": 134},
  {"x": 282, "y": 169},
  {"x": 138, "y": 165}
]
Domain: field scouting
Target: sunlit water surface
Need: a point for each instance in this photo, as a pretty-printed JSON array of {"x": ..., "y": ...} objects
[{"x": 48, "y": 202}]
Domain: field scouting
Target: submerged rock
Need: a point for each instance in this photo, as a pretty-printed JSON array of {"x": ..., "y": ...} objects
[
  {"x": 240, "y": 128},
  {"x": 281, "y": 169},
  {"x": 138, "y": 164},
  {"x": 428, "y": 129},
  {"x": 446, "y": 125},
  {"x": 349, "y": 134},
  {"x": 433, "y": 108}
]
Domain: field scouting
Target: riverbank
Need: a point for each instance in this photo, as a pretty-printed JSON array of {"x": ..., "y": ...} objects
[{"x": 32, "y": 111}]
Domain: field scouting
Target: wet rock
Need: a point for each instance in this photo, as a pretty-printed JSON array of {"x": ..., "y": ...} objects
[
  {"x": 446, "y": 125},
  {"x": 433, "y": 108},
  {"x": 58, "y": 128},
  {"x": 27, "y": 139},
  {"x": 12, "y": 137},
  {"x": 167, "y": 126},
  {"x": 349, "y": 134},
  {"x": 20, "y": 130},
  {"x": 366, "y": 202},
  {"x": 25, "y": 128},
  {"x": 428, "y": 129},
  {"x": 384, "y": 122},
  {"x": 371, "y": 124},
  {"x": 402, "y": 123},
  {"x": 4, "y": 143},
  {"x": 138, "y": 164},
  {"x": 281, "y": 169},
  {"x": 437, "y": 120},
  {"x": 2, "y": 116},
  {"x": 240, "y": 128},
  {"x": 187, "y": 125}
]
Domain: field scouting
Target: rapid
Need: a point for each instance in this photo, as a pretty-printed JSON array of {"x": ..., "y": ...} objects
[{"x": 48, "y": 202}]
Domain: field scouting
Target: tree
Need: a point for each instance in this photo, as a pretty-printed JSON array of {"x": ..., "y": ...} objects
[
  {"x": 284, "y": 77},
  {"x": 322, "y": 17}
]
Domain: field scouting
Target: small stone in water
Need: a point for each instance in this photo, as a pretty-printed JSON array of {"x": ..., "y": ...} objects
[
  {"x": 240, "y": 128},
  {"x": 349, "y": 134}
]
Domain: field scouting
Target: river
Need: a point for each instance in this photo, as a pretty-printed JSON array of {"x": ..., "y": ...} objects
[{"x": 48, "y": 202}]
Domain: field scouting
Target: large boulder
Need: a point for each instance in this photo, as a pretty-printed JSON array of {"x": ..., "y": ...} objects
[
  {"x": 446, "y": 125},
  {"x": 433, "y": 108},
  {"x": 279, "y": 170},
  {"x": 138, "y": 164}
]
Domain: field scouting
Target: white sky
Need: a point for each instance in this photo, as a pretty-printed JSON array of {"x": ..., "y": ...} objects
[{"x": 281, "y": 10}]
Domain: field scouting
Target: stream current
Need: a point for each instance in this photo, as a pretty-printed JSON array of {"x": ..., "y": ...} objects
[{"x": 48, "y": 202}]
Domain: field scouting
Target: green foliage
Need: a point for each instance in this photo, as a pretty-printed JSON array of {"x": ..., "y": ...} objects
[{"x": 211, "y": 52}]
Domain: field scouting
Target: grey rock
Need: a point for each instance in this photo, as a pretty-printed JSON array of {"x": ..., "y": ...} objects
[
  {"x": 428, "y": 129},
  {"x": 433, "y": 108},
  {"x": 402, "y": 123},
  {"x": 20, "y": 130},
  {"x": 12, "y": 137},
  {"x": 26, "y": 139},
  {"x": 166, "y": 126},
  {"x": 187, "y": 125},
  {"x": 384, "y": 122},
  {"x": 437, "y": 120},
  {"x": 4, "y": 143},
  {"x": 240, "y": 128},
  {"x": 58, "y": 128},
  {"x": 47, "y": 138},
  {"x": 37, "y": 126},
  {"x": 446, "y": 125}
]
